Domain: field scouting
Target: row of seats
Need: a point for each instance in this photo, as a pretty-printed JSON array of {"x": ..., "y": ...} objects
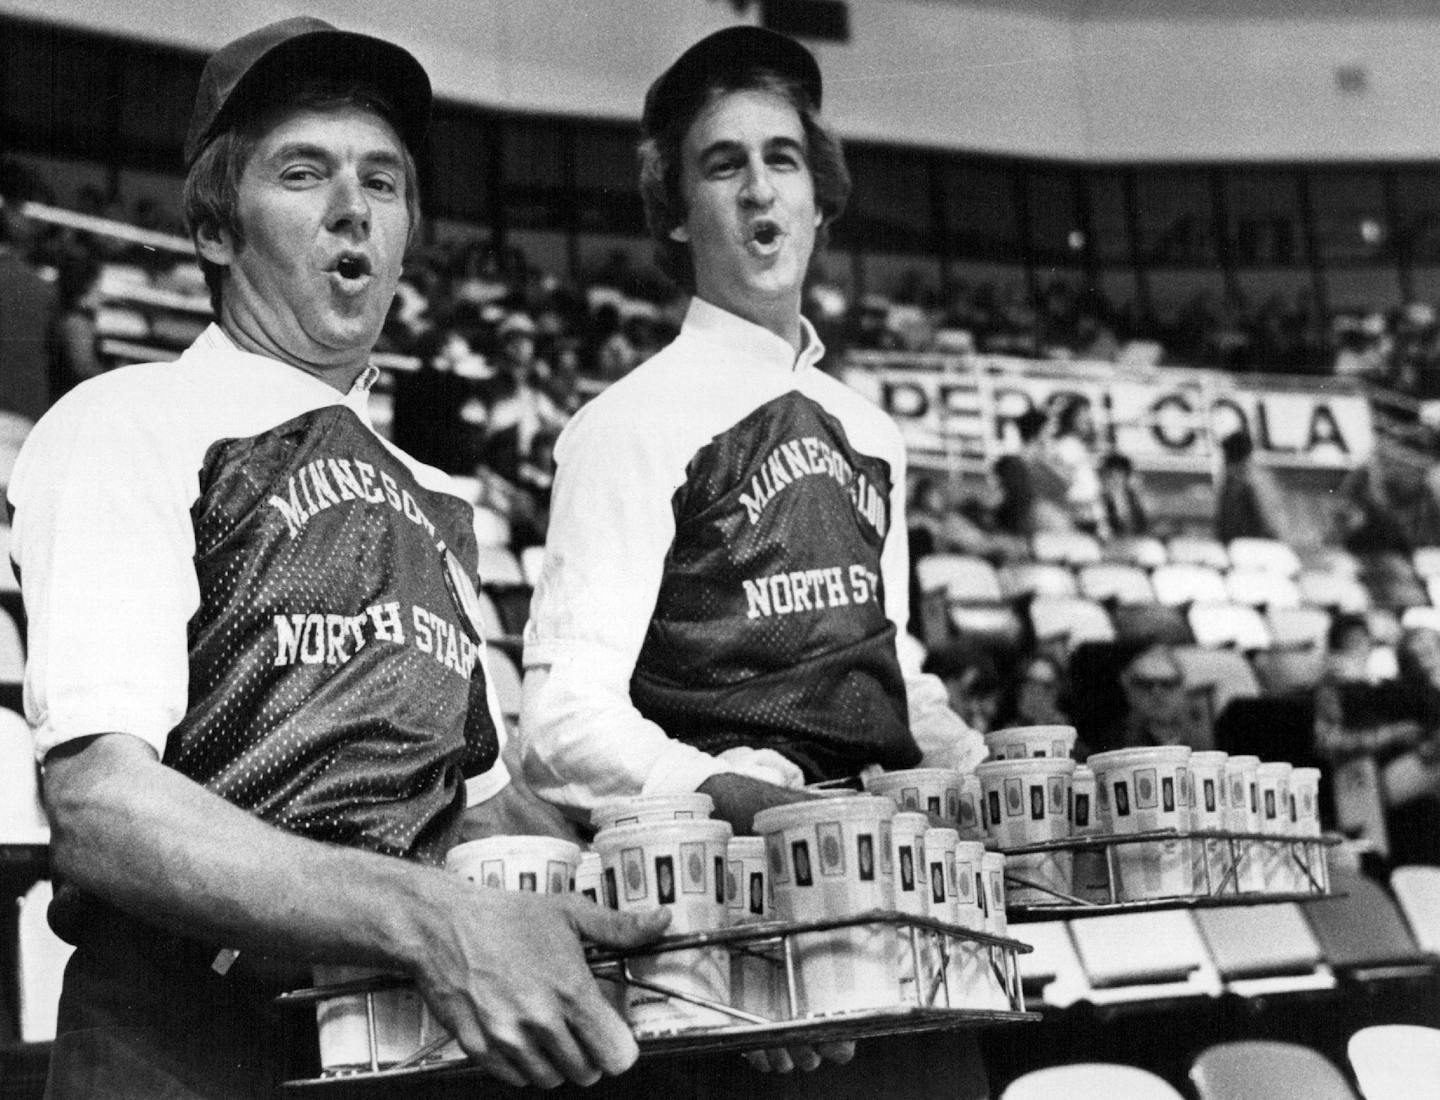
[{"x": 1388, "y": 1062}]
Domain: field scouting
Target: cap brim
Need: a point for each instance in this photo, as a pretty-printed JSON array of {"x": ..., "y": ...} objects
[
  {"x": 733, "y": 50},
  {"x": 338, "y": 55}
]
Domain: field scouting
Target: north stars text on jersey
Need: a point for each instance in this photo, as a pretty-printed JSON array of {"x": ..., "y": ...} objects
[
  {"x": 811, "y": 457},
  {"x": 331, "y": 639},
  {"x": 810, "y": 590}
]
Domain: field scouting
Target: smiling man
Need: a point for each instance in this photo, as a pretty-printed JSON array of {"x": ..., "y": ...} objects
[{"x": 254, "y": 674}]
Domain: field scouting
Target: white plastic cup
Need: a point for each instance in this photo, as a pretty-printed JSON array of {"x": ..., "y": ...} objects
[
  {"x": 755, "y": 981},
  {"x": 1147, "y": 789},
  {"x": 942, "y": 902},
  {"x": 830, "y": 859},
  {"x": 1211, "y": 859},
  {"x": 934, "y": 791},
  {"x": 1027, "y": 801},
  {"x": 344, "y": 1023},
  {"x": 996, "y": 924},
  {"x": 1277, "y": 865},
  {"x": 970, "y": 962},
  {"x": 531, "y": 864},
  {"x": 1091, "y": 872},
  {"x": 644, "y": 808},
  {"x": 1022, "y": 741},
  {"x": 1242, "y": 815},
  {"x": 1305, "y": 794},
  {"x": 679, "y": 865},
  {"x": 907, "y": 855},
  {"x": 972, "y": 808},
  {"x": 588, "y": 877}
]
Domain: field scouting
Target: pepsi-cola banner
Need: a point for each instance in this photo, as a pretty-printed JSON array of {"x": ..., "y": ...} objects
[{"x": 960, "y": 411}]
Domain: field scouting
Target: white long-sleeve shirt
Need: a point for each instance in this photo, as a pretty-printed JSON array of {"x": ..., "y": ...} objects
[{"x": 691, "y": 427}]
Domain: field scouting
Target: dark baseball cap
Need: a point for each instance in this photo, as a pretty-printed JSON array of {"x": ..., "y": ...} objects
[
  {"x": 734, "y": 50},
  {"x": 260, "y": 68}
]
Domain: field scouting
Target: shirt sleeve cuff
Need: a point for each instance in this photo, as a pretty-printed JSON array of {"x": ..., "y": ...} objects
[
  {"x": 680, "y": 769},
  {"x": 486, "y": 785}
]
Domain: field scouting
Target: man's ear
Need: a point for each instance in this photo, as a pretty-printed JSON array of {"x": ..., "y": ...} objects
[{"x": 215, "y": 244}]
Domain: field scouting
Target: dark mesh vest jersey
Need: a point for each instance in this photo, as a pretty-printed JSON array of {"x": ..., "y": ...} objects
[
  {"x": 770, "y": 630},
  {"x": 333, "y": 691}
]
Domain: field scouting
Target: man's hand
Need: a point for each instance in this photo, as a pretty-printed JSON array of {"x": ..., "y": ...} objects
[
  {"x": 805, "y": 1059},
  {"x": 516, "y": 811},
  {"x": 738, "y": 798},
  {"x": 506, "y": 975}
]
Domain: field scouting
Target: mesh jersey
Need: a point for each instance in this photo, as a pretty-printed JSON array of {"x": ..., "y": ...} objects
[
  {"x": 769, "y": 629},
  {"x": 331, "y": 683}
]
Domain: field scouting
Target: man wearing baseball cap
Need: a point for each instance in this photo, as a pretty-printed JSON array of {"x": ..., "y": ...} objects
[
  {"x": 723, "y": 599},
  {"x": 254, "y": 669}
]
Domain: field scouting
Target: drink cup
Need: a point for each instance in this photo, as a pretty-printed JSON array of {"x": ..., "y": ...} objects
[
  {"x": 587, "y": 877},
  {"x": 827, "y": 859},
  {"x": 531, "y": 864},
  {"x": 907, "y": 848},
  {"x": 1242, "y": 815},
  {"x": 1148, "y": 789},
  {"x": 934, "y": 791},
  {"x": 1091, "y": 874},
  {"x": 972, "y": 811},
  {"x": 1211, "y": 859},
  {"x": 344, "y": 1022},
  {"x": 679, "y": 864},
  {"x": 641, "y": 809},
  {"x": 994, "y": 864},
  {"x": 1027, "y": 801},
  {"x": 756, "y": 983},
  {"x": 1023, "y": 741},
  {"x": 1305, "y": 794},
  {"x": 1277, "y": 865}
]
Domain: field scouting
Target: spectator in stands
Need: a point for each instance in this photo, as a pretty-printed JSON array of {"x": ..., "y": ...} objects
[
  {"x": 76, "y": 341},
  {"x": 674, "y": 643},
  {"x": 176, "y": 527},
  {"x": 27, "y": 306},
  {"x": 1158, "y": 709},
  {"x": 1036, "y": 694},
  {"x": 1031, "y": 491},
  {"x": 1248, "y": 504},
  {"x": 1071, "y": 452},
  {"x": 1122, "y": 498},
  {"x": 1391, "y": 503},
  {"x": 431, "y": 405},
  {"x": 938, "y": 524},
  {"x": 971, "y": 681}
]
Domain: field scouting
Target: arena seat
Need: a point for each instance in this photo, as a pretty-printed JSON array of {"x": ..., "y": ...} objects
[
  {"x": 1392, "y": 581},
  {"x": 1417, "y": 891},
  {"x": 1395, "y": 1061},
  {"x": 1022, "y": 579},
  {"x": 1052, "y": 971},
  {"x": 1270, "y": 555},
  {"x": 1334, "y": 590},
  {"x": 960, "y": 576},
  {"x": 994, "y": 626},
  {"x": 532, "y": 561},
  {"x": 504, "y": 676},
  {"x": 1182, "y": 583},
  {"x": 1413, "y": 618},
  {"x": 1143, "y": 957},
  {"x": 1384, "y": 625},
  {"x": 1362, "y": 934},
  {"x": 1090, "y": 1081},
  {"x": 1115, "y": 584},
  {"x": 491, "y": 528},
  {"x": 1426, "y": 560},
  {"x": 1261, "y": 588},
  {"x": 41, "y": 956},
  {"x": 1247, "y": 1068},
  {"x": 1072, "y": 618},
  {"x": 1329, "y": 559},
  {"x": 1264, "y": 950},
  {"x": 1065, "y": 547},
  {"x": 1194, "y": 550},
  {"x": 1145, "y": 551},
  {"x": 1225, "y": 673},
  {"x": 1296, "y": 658},
  {"x": 1218, "y": 625},
  {"x": 1149, "y": 623},
  {"x": 22, "y": 817},
  {"x": 498, "y": 566}
]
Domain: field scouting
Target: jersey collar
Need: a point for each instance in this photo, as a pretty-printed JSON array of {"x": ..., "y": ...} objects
[
  {"x": 215, "y": 341},
  {"x": 710, "y": 322}
]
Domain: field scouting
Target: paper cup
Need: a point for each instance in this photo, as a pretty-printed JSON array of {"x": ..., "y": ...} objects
[
  {"x": 756, "y": 982},
  {"x": 532, "y": 864},
  {"x": 1242, "y": 815},
  {"x": 941, "y": 971},
  {"x": 995, "y": 864},
  {"x": 1148, "y": 789},
  {"x": 1305, "y": 794},
  {"x": 588, "y": 877},
  {"x": 1022, "y": 741},
  {"x": 933, "y": 791},
  {"x": 344, "y": 1022},
  {"x": 969, "y": 962},
  {"x": 1091, "y": 873},
  {"x": 1027, "y": 801},
  {"x": 641, "y": 809},
  {"x": 681, "y": 865},
  {"x": 907, "y": 857},
  {"x": 830, "y": 859},
  {"x": 1211, "y": 859},
  {"x": 1277, "y": 865},
  {"x": 972, "y": 808}
]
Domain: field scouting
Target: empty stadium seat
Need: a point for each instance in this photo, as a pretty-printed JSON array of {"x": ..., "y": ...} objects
[
  {"x": 1113, "y": 583},
  {"x": 1193, "y": 550},
  {"x": 532, "y": 561},
  {"x": 1072, "y": 618},
  {"x": 504, "y": 676},
  {"x": 1361, "y": 932},
  {"x": 995, "y": 626},
  {"x": 1052, "y": 971},
  {"x": 1426, "y": 560},
  {"x": 1148, "y": 623},
  {"x": 960, "y": 576},
  {"x": 1090, "y": 1081},
  {"x": 1395, "y": 1061},
  {"x": 491, "y": 624},
  {"x": 491, "y": 528},
  {"x": 1022, "y": 579},
  {"x": 41, "y": 956},
  {"x": 1296, "y": 658},
  {"x": 1134, "y": 957},
  {"x": 1144, "y": 551},
  {"x": 1412, "y": 618},
  {"x": 498, "y": 566},
  {"x": 1065, "y": 547},
  {"x": 1260, "y": 588},
  {"x": 1187, "y": 582},
  {"x": 22, "y": 818},
  {"x": 1263, "y": 950},
  {"x": 1329, "y": 559},
  {"x": 1334, "y": 590},
  {"x": 1270, "y": 555},
  {"x": 1249, "y": 1068},
  {"x": 1417, "y": 890},
  {"x": 1218, "y": 625},
  {"x": 1225, "y": 673}
]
